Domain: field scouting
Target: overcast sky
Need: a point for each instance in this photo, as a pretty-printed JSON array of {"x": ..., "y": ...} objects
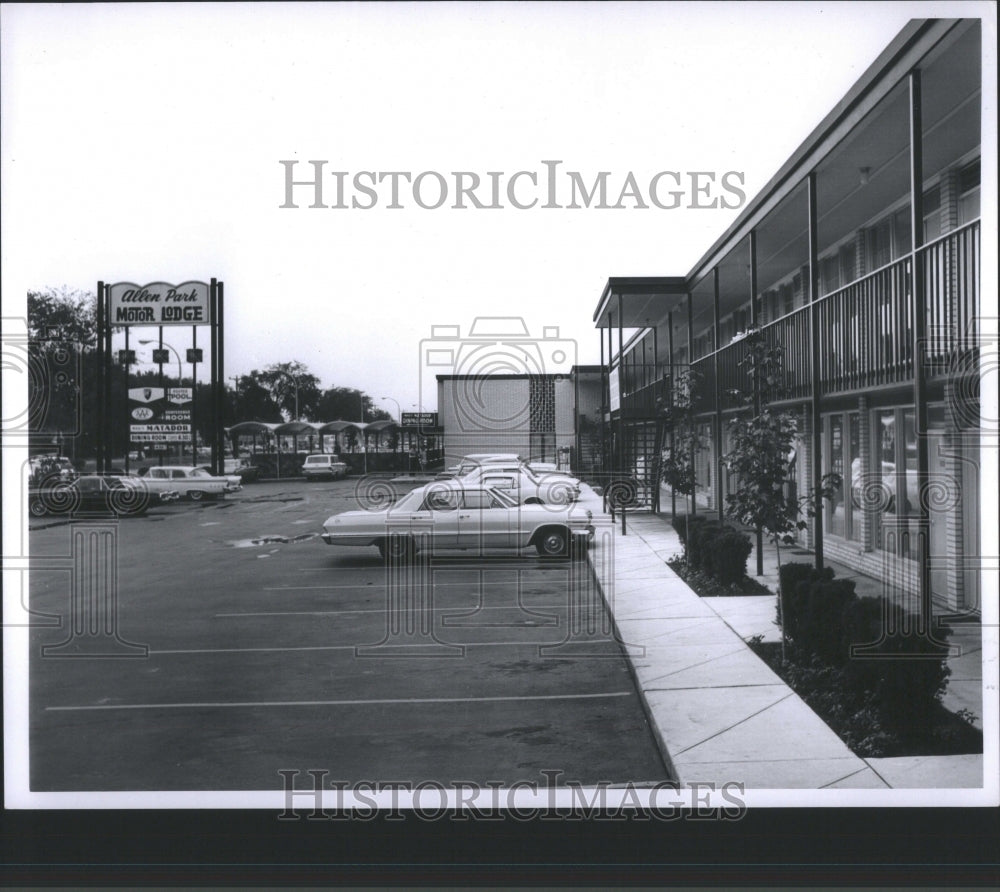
[{"x": 143, "y": 143}]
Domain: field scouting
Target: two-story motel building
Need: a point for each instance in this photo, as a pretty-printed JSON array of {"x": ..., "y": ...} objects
[{"x": 861, "y": 258}]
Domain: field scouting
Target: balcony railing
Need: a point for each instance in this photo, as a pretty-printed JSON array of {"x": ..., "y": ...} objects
[{"x": 866, "y": 328}]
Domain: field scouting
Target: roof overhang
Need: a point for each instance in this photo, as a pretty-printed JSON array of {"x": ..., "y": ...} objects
[{"x": 643, "y": 300}]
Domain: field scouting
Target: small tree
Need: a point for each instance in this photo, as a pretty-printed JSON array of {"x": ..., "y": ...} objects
[
  {"x": 762, "y": 441},
  {"x": 681, "y": 441}
]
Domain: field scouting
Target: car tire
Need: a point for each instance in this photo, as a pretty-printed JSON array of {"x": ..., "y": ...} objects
[
  {"x": 552, "y": 542},
  {"x": 37, "y": 508},
  {"x": 196, "y": 495},
  {"x": 398, "y": 548}
]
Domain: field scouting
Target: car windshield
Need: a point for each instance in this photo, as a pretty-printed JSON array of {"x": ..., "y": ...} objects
[
  {"x": 199, "y": 472},
  {"x": 411, "y": 501}
]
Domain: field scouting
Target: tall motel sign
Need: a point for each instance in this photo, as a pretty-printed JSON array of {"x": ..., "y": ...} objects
[{"x": 159, "y": 416}]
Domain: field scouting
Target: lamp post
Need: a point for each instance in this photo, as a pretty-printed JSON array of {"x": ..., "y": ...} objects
[
  {"x": 180, "y": 376},
  {"x": 364, "y": 439},
  {"x": 180, "y": 382}
]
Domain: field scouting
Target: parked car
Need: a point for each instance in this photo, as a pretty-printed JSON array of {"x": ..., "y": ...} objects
[
  {"x": 44, "y": 467},
  {"x": 472, "y": 461},
  {"x": 94, "y": 494},
  {"x": 323, "y": 465},
  {"x": 237, "y": 470},
  {"x": 523, "y": 483},
  {"x": 242, "y": 468},
  {"x": 192, "y": 483},
  {"x": 473, "y": 517}
]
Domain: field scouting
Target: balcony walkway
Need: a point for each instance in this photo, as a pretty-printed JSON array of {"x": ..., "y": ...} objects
[{"x": 718, "y": 712}]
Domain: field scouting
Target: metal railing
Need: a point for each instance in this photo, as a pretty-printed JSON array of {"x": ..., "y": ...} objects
[{"x": 866, "y": 327}]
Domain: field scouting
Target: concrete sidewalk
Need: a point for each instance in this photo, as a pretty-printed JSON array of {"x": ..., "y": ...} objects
[{"x": 718, "y": 712}]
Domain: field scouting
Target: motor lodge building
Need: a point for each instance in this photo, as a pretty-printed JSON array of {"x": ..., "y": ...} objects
[{"x": 861, "y": 259}]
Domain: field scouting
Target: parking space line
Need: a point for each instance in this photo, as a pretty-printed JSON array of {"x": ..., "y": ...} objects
[
  {"x": 319, "y": 647},
  {"x": 455, "y": 609},
  {"x": 107, "y": 707},
  {"x": 310, "y": 588}
]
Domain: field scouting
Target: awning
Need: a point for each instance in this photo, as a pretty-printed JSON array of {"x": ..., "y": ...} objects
[{"x": 645, "y": 301}]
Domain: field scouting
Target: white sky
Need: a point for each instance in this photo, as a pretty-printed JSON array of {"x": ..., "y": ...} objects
[{"x": 141, "y": 142}]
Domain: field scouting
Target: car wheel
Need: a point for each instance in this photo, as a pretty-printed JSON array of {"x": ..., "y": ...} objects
[
  {"x": 196, "y": 495},
  {"x": 398, "y": 548},
  {"x": 37, "y": 508},
  {"x": 553, "y": 542}
]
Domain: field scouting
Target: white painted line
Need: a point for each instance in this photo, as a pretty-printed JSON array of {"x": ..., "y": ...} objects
[
  {"x": 320, "y": 588},
  {"x": 387, "y": 644},
  {"x": 399, "y": 700},
  {"x": 465, "y": 611}
]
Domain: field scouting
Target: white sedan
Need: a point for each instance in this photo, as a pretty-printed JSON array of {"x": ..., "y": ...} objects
[
  {"x": 479, "y": 518},
  {"x": 193, "y": 483}
]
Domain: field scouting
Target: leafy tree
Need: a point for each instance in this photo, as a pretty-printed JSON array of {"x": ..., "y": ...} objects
[
  {"x": 63, "y": 314},
  {"x": 762, "y": 441},
  {"x": 345, "y": 404},
  {"x": 681, "y": 441},
  {"x": 252, "y": 400},
  {"x": 293, "y": 387},
  {"x": 62, "y": 342}
]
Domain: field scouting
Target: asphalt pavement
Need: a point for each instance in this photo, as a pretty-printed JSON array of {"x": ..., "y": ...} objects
[{"x": 230, "y": 644}]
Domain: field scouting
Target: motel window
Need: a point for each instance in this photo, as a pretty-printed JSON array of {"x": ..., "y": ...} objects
[
  {"x": 968, "y": 202},
  {"x": 841, "y": 455}
]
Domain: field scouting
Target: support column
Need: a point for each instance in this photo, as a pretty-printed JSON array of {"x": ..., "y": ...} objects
[
  {"x": 690, "y": 340},
  {"x": 919, "y": 341},
  {"x": 621, "y": 413},
  {"x": 102, "y": 362},
  {"x": 754, "y": 324},
  {"x": 718, "y": 401},
  {"x": 816, "y": 463},
  {"x": 671, "y": 382}
]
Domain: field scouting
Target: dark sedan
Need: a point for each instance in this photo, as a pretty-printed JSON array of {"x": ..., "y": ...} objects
[{"x": 96, "y": 495}]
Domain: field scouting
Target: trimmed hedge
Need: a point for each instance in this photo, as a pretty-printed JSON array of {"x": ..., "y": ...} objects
[
  {"x": 876, "y": 648},
  {"x": 907, "y": 669},
  {"x": 718, "y": 550},
  {"x": 794, "y": 580},
  {"x": 725, "y": 553},
  {"x": 821, "y": 627},
  {"x": 687, "y": 522}
]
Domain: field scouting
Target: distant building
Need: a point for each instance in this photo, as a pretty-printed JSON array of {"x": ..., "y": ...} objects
[{"x": 529, "y": 415}]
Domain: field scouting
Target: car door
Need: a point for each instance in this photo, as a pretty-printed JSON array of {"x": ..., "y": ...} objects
[
  {"x": 91, "y": 490},
  {"x": 483, "y": 521},
  {"x": 441, "y": 506}
]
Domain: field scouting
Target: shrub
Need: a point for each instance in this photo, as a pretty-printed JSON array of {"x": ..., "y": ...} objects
[
  {"x": 725, "y": 556},
  {"x": 700, "y": 536},
  {"x": 821, "y": 624},
  {"x": 906, "y": 669},
  {"x": 686, "y": 523},
  {"x": 790, "y": 578}
]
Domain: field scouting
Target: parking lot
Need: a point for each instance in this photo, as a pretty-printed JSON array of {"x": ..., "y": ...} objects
[{"x": 245, "y": 646}]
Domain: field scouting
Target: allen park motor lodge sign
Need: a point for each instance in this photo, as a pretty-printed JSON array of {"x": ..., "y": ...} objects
[{"x": 160, "y": 303}]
